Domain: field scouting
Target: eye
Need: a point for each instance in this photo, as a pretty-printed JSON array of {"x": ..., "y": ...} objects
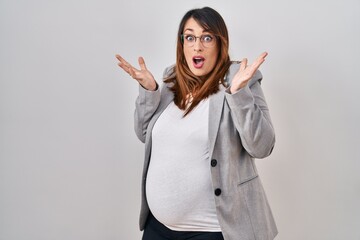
[
  {"x": 189, "y": 38},
  {"x": 207, "y": 38}
]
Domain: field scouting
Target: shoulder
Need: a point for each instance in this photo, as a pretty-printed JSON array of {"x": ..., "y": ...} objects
[
  {"x": 169, "y": 71},
  {"x": 234, "y": 68}
]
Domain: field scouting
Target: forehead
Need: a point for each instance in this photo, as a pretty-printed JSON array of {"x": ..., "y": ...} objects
[{"x": 193, "y": 26}]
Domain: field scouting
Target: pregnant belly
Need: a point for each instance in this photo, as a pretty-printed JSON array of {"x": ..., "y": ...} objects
[{"x": 180, "y": 197}]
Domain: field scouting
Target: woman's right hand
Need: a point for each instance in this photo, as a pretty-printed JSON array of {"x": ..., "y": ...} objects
[{"x": 143, "y": 76}]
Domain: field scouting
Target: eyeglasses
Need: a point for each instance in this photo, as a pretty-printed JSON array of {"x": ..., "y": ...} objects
[{"x": 207, "y": 40}]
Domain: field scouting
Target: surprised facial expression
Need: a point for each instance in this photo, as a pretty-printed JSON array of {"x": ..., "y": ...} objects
[{"x": 200, "y": 48}]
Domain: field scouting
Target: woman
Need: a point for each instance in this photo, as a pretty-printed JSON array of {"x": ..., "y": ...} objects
[{"x": 202, "y": 131}]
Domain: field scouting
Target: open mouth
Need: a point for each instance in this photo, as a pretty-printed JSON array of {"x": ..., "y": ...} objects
[{"x": 198, "y": 61}]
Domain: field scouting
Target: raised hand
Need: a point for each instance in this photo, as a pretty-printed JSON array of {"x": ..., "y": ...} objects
[
  {"x": 143, "y": 76},
  {"x": 246, "y": 72}
]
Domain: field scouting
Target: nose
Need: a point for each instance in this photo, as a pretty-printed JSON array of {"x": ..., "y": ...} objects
[{"x": 198, "y": 47}]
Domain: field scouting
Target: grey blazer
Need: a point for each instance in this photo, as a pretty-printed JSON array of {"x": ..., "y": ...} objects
[{"x": 240, "y": 130}]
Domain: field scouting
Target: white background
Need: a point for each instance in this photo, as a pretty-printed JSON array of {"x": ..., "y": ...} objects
[{"x": 70, "y": 164}]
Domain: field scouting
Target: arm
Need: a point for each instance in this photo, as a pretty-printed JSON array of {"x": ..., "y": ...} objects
[
  {"x": 251, "y": 118},
  {"x": 149, "y": 94},
  {"x": 145, "y": 106}
]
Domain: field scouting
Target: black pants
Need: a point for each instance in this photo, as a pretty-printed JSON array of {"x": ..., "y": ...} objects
[{"x": 154, "y": 230}]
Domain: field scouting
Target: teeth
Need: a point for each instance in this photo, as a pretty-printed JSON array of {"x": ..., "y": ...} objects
[{"x": 198, "y": 59}]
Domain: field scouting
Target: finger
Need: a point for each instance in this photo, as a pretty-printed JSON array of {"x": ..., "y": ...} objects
[
  {"x": 257, "y": 64},
  {"x": 259, "y": 61},
  {"x": 243, "y": 64},
  {"x": 128, "y": 68},
  {"x": 123, "y": 62},
  {"x": 125, "y": 68},
  {"x": 118, "y": 57},
  {"x": 263, "y": 55},
  {"x": 132, "y": 72},
  {"x": 142, "y": 63}
]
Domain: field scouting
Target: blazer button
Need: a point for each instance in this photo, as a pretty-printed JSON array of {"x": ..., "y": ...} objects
[
  {"x": 213, "y": 162},
  {"x": 217, "y": 192}
]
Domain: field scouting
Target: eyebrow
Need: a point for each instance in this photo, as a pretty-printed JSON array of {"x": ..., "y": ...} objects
[
  {"x": 192, "y": 30},
  {"x": 188, "y": 29}
]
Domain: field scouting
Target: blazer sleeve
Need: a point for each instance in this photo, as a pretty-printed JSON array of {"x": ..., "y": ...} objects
[
  {"x": 251, "y": 118},
  {"x": 145, "y": 106}
]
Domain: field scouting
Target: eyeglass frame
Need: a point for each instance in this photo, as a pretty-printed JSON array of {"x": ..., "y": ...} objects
[{"x": 215, "y": 37}]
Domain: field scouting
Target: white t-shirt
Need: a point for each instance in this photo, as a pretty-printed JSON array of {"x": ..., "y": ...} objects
[{"x": 178, "y": 187}]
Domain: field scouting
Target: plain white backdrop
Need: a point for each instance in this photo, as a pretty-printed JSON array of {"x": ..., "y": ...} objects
[{"x": 70, "y": 163}]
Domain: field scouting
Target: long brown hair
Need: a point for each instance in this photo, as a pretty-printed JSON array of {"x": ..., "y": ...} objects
[{"x": 184, "y": 82}]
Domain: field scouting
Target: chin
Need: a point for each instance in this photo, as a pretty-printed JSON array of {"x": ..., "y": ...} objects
[{"x": 199, "y": 72}]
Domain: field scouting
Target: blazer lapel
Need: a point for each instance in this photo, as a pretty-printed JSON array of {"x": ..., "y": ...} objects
[{"x": 216, "y": 104}]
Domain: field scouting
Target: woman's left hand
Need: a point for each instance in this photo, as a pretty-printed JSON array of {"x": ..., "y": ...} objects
[{"x": 245, "y": 73}]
